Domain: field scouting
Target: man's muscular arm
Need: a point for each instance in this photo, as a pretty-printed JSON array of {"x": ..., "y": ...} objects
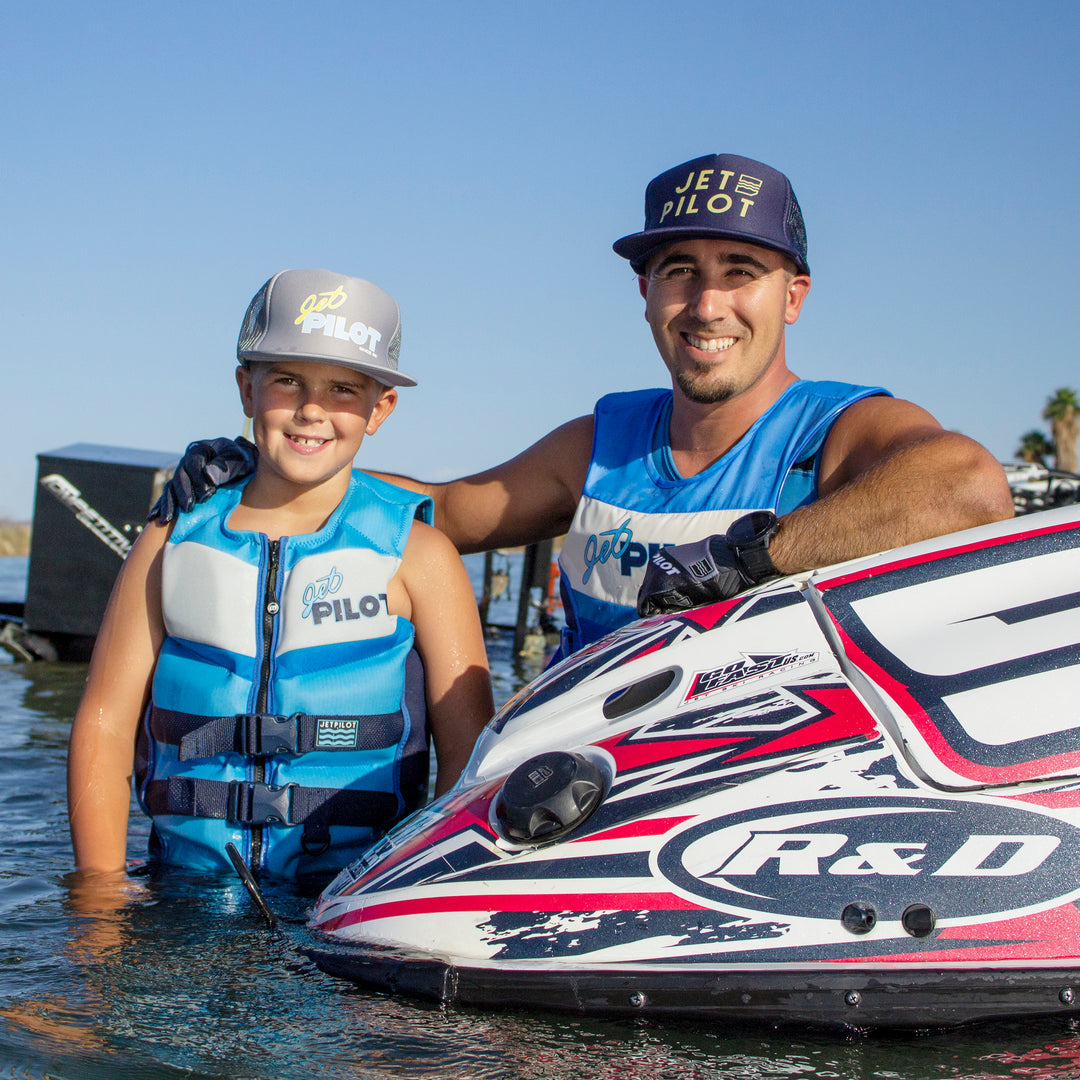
[
  {"x": 890, "y": 475},
  {"x": 529, "y": 498}
]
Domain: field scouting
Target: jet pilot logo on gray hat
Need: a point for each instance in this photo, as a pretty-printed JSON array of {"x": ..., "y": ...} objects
[
  {"x": 326, "y": 317},
  {"x": 721, "y": 195}
]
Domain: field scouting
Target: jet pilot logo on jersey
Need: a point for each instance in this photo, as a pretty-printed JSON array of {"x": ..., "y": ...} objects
[
  {"x": 739, "y": 672},
  {"x": 606, "y": 545},
  {"x": 617, "y": 544},
  {"x": 317, "y": 607}
]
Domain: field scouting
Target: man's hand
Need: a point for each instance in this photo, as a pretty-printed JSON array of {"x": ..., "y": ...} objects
[
  {"x": 687, "y": 575},
  {"x": 205, "y": 466}
]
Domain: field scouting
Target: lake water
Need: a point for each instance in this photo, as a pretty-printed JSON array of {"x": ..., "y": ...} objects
[{"x": 180, "y": 978}]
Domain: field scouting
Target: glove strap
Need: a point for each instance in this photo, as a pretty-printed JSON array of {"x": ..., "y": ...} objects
[{"x": 749, "y": 538}]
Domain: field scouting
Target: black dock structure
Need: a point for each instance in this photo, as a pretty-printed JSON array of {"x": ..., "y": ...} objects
[{"x": 90, "y": 504}]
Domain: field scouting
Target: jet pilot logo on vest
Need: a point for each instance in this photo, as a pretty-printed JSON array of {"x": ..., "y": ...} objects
[
  {"x": 314, "y": 316},
  {"x": 617, "y": 543},
  {"x": 336, "y": 734},
  {"x": 318, "y": 607}
]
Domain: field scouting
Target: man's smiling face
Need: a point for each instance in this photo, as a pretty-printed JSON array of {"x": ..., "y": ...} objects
[{"x": 718, "y": 309}]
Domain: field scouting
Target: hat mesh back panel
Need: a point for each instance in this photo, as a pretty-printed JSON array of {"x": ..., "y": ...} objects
[
  {"x": 795, "y": 227},
  {"x": 254, "y": 325},
  {"x": 394, "y": 349}
]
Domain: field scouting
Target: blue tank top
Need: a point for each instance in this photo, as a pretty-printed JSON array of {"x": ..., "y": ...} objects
[
  {"x": 280, "y": 717},
  {"x": 634, "y": 501}
]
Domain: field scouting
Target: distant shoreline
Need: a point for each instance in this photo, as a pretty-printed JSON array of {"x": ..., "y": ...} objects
[{"x": 14, "y": 538}]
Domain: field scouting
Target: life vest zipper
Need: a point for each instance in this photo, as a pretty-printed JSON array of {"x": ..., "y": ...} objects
[{"x": 271, "y": 607}]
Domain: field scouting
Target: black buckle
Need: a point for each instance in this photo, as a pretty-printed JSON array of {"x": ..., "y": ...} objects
[
  {"x": 263, "y": 734},
  {"x": 253, "y": 803}
]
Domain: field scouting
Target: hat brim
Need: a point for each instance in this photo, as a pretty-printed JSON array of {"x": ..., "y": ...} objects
[
  {"x": 637, "y": 247},
  {"x": 387, "y": 376}
]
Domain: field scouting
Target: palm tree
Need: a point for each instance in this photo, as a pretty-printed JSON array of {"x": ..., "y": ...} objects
[
  {"x": 1034, "y": 447},
  {"x": 1063, "y": 411}
]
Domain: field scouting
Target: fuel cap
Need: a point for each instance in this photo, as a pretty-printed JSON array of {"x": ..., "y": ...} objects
[{"x": 547, "y": 796}]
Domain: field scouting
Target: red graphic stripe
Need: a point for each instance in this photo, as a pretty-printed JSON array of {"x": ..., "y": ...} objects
[
  {"x": 1060, "y": 925},
  {"x": 1052, "y": 799},
  {"x": 1045, "y": 935},
  {"x": 941, "y": 553},
  {"x": 634, "y": 755},
  {"x": 850, "y": 720},
  {"x": 936, "y": 741},
  {"x": 486, "y": 904},
  {"x": 707, "y": 617},
  {"x": 646, "y": 827},
  {"x": 464, "y": 812},
  {"x": 656, "y": 646}
]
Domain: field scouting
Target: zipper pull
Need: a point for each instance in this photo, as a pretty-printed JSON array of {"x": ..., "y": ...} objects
[{"x": 272, "y": 606}]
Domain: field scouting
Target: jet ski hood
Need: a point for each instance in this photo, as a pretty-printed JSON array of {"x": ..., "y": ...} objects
[{"x": 852, "y": 796}]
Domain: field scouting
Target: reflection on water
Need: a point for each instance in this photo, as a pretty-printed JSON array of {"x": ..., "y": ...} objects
[{"x": 176, "y": 975}]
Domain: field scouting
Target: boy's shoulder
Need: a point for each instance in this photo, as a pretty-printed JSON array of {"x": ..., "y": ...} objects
[
  {"x": 429, "y": 554},
  {"x": 205, "y": 518},
  {"x": 373, "y": 514},
  {"x": 421, "y": 505}
]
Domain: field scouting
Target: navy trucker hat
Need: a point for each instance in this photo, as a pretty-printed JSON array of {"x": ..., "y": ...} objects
[{"x": 719, "y": 195}]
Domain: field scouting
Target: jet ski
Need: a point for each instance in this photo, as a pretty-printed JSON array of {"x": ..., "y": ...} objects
[{"x": 851, "y": 797}]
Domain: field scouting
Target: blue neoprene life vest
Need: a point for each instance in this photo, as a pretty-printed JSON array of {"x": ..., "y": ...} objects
[
  {"x": 281, "y": 716},
  {"x": 634, "y": 501}
]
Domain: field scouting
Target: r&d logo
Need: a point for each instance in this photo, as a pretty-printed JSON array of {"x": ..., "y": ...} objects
[
  {"x": 315, "y": 315},
  {"x": 962, "y": 857}
]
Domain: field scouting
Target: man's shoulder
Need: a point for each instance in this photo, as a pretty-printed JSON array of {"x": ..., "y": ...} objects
[
  {"x": 811, "y": 407},
  {"x": 631, "y": 406},
  {"x": 829, "y": 390},
  {"x": 632, "y": 399}
]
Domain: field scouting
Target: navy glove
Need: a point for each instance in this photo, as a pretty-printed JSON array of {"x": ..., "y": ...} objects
[
  {"x": 686, "y": 575},
  {"x": 205, "y": 466}
]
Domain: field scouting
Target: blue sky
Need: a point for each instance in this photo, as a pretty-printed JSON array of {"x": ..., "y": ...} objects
[{"x": 477, "y": 159}]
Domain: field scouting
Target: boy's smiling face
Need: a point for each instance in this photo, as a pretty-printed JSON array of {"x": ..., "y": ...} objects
[{"x": 309, "y": 418}]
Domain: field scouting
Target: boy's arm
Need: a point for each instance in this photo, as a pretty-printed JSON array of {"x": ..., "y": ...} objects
[
  {"x": 102, "y": 747},
  {"x": 450, "y": 641},
  {"x": 529, "y": 498}
]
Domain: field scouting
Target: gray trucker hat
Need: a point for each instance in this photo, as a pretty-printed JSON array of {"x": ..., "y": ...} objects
[{"x": 327, "y": 317}]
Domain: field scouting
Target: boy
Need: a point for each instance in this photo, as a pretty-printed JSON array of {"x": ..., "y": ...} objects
[{"x": 261, "y": 648}]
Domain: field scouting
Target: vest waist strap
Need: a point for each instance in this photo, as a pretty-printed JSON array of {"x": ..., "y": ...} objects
[
  {"x": 264, "y": 734},
  {"x": 250, "y": 802}
]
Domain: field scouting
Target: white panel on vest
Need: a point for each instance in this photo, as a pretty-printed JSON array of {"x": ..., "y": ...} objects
[
  {"x": 336, "y": 596},
  {"x": 209, "y": 596},
  {"x": 608, "y": 547}
]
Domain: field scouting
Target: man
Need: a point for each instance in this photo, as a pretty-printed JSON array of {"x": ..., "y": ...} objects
[{"x": 738, "y": 439}]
